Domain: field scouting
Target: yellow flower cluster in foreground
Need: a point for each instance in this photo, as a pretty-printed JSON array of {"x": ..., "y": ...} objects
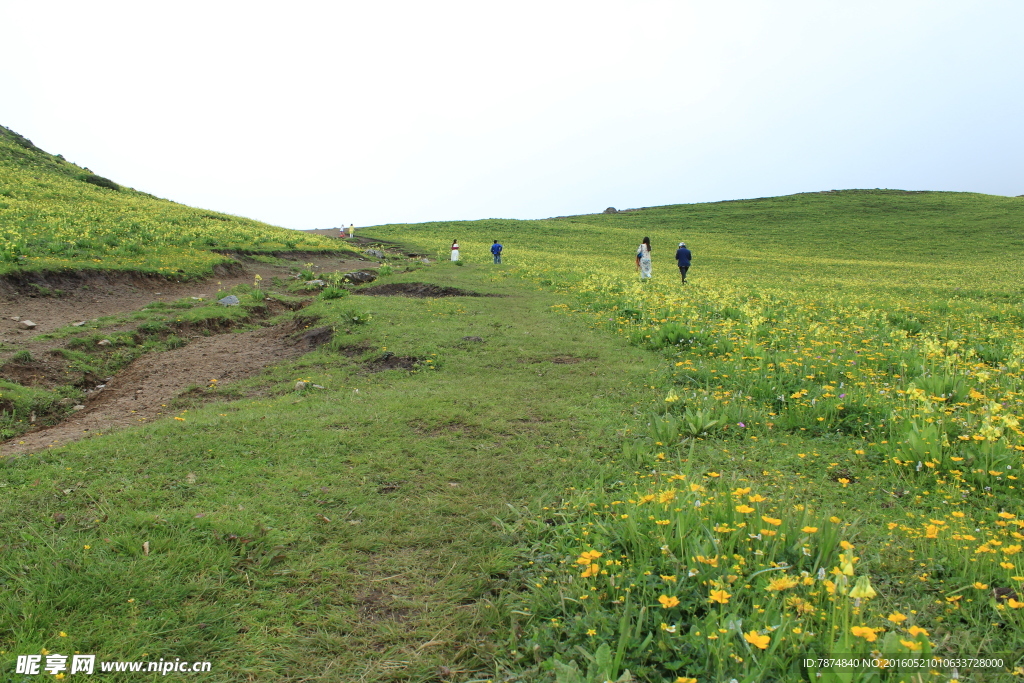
[{"x": 753, "y": 587}]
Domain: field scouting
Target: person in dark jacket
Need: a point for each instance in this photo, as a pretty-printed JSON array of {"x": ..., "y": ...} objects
[
  {"x": 683, "y": 257},
  {"x": 496, "y": 251}
]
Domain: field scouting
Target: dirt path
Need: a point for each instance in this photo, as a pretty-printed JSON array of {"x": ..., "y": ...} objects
[
  {"x": 144, "y": 389},
  {"x": 113, "y": 295}
]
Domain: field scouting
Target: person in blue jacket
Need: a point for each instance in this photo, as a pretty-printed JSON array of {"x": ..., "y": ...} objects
[
  {"x": 683, "y": 257},
  {"x": 496, "y": 250}
]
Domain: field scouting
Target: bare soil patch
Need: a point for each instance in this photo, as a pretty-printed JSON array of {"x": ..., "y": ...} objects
[
  {"x": 420, "y": 290},
  {"x": 48, "y": 371},
  {"x": 389, "y": 361},
  {"x": 561, "y": 359},
  {"x": 314, "y": 338},
  {"x": 94, "y": 295},
  {"x": 376, "y": 606},
  {"x": 356, "y": 349},
  {"x": 144, "y": 389}
]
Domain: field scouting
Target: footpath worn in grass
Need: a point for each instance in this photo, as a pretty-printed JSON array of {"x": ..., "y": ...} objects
[
  {"x": 159, "y": 326},
  {"x": 355, "y": 532}
]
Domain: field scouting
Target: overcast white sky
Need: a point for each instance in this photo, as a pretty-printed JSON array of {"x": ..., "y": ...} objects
[{"x": 313, "y": 114}]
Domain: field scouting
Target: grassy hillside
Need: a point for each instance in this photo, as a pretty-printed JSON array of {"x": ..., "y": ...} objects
[
  {"x": 873, "y": 241},
  {"x": 55, "y": 215},
  {"x": 813, "y": 449}
]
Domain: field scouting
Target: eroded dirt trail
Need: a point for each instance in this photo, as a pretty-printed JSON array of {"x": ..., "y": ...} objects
[
  {"x": 145, "y": 389},
  {"x": 105, "y": 295}
]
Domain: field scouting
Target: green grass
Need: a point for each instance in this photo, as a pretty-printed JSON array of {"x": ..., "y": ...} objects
[
  {"x": 353, "y": 532},
  {"x": 869, "y": 242},
  {"x": 861, "y": 381},
  {"x": 491, "y": 511},
  {"x": 55, "y": 216}
]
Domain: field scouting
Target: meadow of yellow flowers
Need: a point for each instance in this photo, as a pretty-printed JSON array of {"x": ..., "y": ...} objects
[{"x": 826, "y": 483}]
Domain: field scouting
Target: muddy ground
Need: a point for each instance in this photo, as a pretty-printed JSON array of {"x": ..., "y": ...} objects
[{"x": 145, "y": 389}]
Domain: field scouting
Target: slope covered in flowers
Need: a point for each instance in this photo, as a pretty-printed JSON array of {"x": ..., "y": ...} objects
[
  {"x": 55, "y": 215},
  {"x": 830, "y": 463}
]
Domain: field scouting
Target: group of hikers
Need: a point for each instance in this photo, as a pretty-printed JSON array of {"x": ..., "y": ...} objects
[
  {"x": 643, "y": 257},
  {"x": 495, "y": 250}
]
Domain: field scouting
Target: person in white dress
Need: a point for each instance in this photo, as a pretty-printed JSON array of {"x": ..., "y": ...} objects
[
  {"x": 643, "y": 259},
  {"x": 455, "y": 250}
]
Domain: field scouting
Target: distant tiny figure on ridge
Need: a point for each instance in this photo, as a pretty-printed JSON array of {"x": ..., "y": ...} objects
[
  {"x": 496, "y": 250},
  {"x": 351, "y": 230},
  {"x": 643, "y": 259},
  {"x": 455, "y": 250},
  {"x": 683, "y": 257}
]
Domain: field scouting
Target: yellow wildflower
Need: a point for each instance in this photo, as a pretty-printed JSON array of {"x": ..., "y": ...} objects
[
  {"x": 757, "y": 640},
  {"x": 668, "y": 602},
  {"x": 865, "y": 632}
]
